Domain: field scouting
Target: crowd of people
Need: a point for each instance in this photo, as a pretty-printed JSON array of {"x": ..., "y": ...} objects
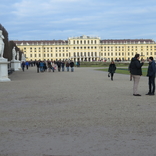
[{"x": 49, "y": 66}]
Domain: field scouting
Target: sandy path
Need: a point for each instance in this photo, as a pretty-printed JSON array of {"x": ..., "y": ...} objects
[{"x": 82, "y": 113}]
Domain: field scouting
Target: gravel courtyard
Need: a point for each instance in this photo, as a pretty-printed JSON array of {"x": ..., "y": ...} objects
[{"x": 80, "y": 113}]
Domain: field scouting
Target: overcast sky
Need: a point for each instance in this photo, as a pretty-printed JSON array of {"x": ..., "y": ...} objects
[{"x": 60, "y": 19}]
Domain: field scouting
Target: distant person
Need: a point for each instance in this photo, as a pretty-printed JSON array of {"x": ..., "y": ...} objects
[
  {"x": 136, "y": 71},
  {"x": 62, "y": 65},
  {"x": 130, "y": 72},
  {"x": 41, "y": 66},
  {"x": 72, "y": 66},
  {"x": 151, "y": 76},
  {"x": 112, "y": 69},
  {"x": 23, "y": 65},
  {"x": 27, "y": 64},
  {"x": 53, "y": 66},
  {"x": 59, "y": 65},
  {"x": 67, "y": 66},
  {"x": 78, "y": 63},
  {"x": 49, "y": 66},
  {"x": 44, "y": 66},
  {"x": 38, "y": 66}
]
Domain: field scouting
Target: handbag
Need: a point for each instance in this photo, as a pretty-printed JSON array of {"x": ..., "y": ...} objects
[{"x": 108, "y": 74}]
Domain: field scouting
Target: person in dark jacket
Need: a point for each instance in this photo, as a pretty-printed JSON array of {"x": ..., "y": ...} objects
[
  {"x": 151, "y": 76},
  {"x": 59, "y": 65},
  {"x": 62, "y": 65},
  {"x": 136, "y": 71},
  {"x": 67, "y": 66},
  {"x": 38, "y": 66},
  {"x": 112, "y": 69},
  {"x": 23, "y": 65},
  {"x": 72, "y": 66}
]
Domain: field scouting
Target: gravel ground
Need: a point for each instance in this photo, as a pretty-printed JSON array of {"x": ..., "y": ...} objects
[{"x": 80, "y": 113}]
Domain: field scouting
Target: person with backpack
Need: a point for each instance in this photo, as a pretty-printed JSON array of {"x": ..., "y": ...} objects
[{"x": 151, "y": 76}]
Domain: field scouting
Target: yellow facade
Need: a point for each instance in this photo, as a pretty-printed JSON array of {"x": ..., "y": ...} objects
[{"x": 86, "y": 48}]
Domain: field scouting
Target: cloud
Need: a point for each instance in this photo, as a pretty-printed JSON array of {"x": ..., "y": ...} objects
[{"x": 64, "y": 18}]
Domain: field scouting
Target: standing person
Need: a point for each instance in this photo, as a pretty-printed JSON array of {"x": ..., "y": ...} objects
[
  {"x": 135, "y": 68},
  {"x": 59, "y": 65},
  {"x": 151, "y": 76},
  {"x": 38, "y": 66},
  {"x": 27, "y": 64},
  {"x": 78, "y": 63},
  {"x": 53, "y": 66},
  {"x": 23, "y": 65},
  {"x": 72, "y": 66},
  {"x": 112, "y": 69},
  {"x": 44, "y": 66},
  {"x": 62, "y": 64},
  {"x": 67, "y": 66},
  {"x": 41, "y": 66},
  {"x": 49, "y": 66}
]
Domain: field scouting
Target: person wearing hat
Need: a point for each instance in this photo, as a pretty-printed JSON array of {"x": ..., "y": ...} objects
[{"x": 151, "y": 76}]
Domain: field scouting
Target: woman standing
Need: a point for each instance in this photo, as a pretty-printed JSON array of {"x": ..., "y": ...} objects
[
  {"x": 111, "y": 69},
  {"x": 135, "y": 69}
]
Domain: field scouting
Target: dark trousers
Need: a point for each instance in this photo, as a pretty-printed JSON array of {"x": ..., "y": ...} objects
[
  {"x": 59, "y": 68},
  {"x": 38, "y": 69},
  {"x": 112, "y": 74},
  {"x": 151, "y": 82},
  {"x": 23, "y": 68}
]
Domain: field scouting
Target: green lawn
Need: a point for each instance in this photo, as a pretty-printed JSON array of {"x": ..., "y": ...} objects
[
  {"x": 104, "y": 64},
  {"x": 125, "y": 71}
]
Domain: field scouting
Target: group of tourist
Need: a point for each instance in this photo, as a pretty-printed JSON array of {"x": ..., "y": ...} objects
[
  {"x": 135, "y": 69},
  {"x": 43, "y": 66}
]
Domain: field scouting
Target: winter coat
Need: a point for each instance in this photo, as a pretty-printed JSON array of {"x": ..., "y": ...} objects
[
  {"x": 112, "y": 68},
  {"x": 71, "y": 64},
  {"x": 151, "y": 69},
  {"x": 67, "y": 64},
  {"x": 135, "y": 67}
]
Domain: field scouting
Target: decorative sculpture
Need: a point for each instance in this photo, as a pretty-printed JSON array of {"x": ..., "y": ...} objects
[
  {"x": 17, "y": 55},
  {"x": 23, "y": 57},
  {"x": 1, "y": 44},
  {"x": 13, "y": 53}
]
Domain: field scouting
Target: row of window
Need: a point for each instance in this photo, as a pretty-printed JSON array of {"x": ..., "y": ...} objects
[
  {"x": 85, "y": 42},
  {"x": 85, "y": 54},
  {"x": 90, "y": 54},
  {"x": 84, "y": 47},
  {"x": 51, "y": 55},
  {"x": 49, "y": 51}
]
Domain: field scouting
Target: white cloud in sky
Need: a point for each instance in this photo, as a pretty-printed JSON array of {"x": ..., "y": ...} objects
[{"x": 56, "y": 19}]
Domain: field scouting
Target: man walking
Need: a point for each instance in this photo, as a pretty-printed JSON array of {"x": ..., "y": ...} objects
[{"x": 151, "y": 76}]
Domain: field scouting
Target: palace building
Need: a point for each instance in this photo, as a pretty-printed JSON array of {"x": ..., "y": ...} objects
[{"x": 87, "y": 48}]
